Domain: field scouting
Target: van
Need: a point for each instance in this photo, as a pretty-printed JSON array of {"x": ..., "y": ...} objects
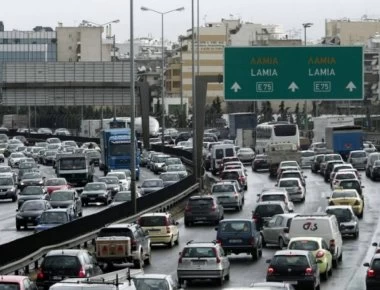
[
  {"x": 319, "y": 225},
  {"x": 218, "y": 153}
]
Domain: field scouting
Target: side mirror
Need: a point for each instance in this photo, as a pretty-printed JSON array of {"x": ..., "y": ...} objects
[
  {"x": 375, "y": 244},
  {"x": 286, "y": 230},
  {"x": 366, "y": 264},
  {"x": 216, "y": 228}
]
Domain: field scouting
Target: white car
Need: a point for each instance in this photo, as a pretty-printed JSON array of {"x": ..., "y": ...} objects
[
  {"x": 341, "y": 175},
  {"x": 294, "y": 188},
  {"x": 14, "y": 159},
  {"x": 307, "y": 157},
  {"x": 123, "y": 180}
]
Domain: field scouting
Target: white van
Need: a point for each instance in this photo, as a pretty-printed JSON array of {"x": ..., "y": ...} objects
[
  {"x": 319, "y": 225},
  {"x": 91, "y": 284},
  {"x": 218, "y": 153}
]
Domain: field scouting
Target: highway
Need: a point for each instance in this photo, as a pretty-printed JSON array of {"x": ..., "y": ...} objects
[{"x": 349, "y": 275}]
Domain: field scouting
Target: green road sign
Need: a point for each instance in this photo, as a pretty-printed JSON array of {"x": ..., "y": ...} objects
[{"x": 287, "y": 73}]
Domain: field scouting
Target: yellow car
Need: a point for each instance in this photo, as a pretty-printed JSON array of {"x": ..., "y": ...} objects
[
  {"x": 320, "y": 251},
  {"x": 162, "y": 228},
  {"x": 347, "y": 197}
]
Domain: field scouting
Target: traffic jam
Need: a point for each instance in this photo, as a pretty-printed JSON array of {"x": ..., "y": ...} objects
[{"x": 276, "y": 216}]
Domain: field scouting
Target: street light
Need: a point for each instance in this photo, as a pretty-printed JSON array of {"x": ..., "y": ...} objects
[
  {"x": 306, "y": 26},
  {"x": 143, "y": 8}
]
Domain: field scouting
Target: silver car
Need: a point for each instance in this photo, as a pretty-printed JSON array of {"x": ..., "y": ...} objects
[
  {"x": 348, "y": 222},
  {"x": 203, "y": 261},
  {"x": 228, "y": 195},
  {"x": 154, "y": 281},
  {"x": 358, "y": 159},
  {"x": 274, "y": 232}
]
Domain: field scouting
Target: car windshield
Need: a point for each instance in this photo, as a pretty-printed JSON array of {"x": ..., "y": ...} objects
[
  {"x": 223, "y": 188},
  {"x": 169, "y": 177},
  {"x": 60, "y": 263},
  {"x": 72, "y": 163},
  {"x": 305, "y": 245},
  {"x": 349, "y": 184},
  {"x": 293, "y": 260},
  {"x": 151, "y": 283},
  {"x": 28, "y": 164},
  {"x": 109, "y": 180},
  {"x": 119, "y": 176},
  {"x": 176, "y": 167},
  {"x": 118, "y": 232},
  {"x": 122, "y": 196},
  {"x": 32, "y": 190},
  {"x": 32, "y": 205},
  {"x": 160, "y": 159},
  {"x": 152, "y": 221},
  {"x": 230, "y": 175},
  {"x": 307, "y": 154},
  {"x": 332, "y": 157},
  {"x": 358, "y": 154},
  {"x": 170, "y": 161},
  {"x": 342, "y": 214},
  {"x": 288, "y": 183},
  {"x": 55, "y": 181},
  {"x": 17, "y": 155},
  {"x": 234, "y": 226},
  {"x": 95, "y": 186},
  {"x": 31, "y": 175},
  {"x": 344, "y": 194},
  {"x": 199, "y": 252},
  {"x": 268, "y": 210},
  {"x": 347, "y": 175},
  {"x": 273, "y": 197},
  {"x": 291, "y": 174},
  {"x": 152, "y": 183},
  {"x": 53, "y": 218},
  {"x": 6, "y": 181},
  {"x": 61, "y": 196}
]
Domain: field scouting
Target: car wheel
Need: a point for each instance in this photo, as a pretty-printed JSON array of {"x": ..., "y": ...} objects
[
  {"x": 219, "y": 281},
  {"x": 227, "y": 277},
  {"x": 330, "y": 271},
  {"x": 138, "y": 263},
  {"x": 335, "y": 263},
  {"x": 340, "y": 258},
  {"x": 171, "y": 243},
  {"x": 147, "y": 260},
  {"x": 181, "y": 281},
  {"x": 14, "y": 198},
  {"x": 187, "y": 224},
  {"x": 177, "y": 240},
  {"x": 80, "y": 214},
  {"x": 281, "y": 243},
  {"x": 325, "y": 275},
  {"x": 367, "y": 172},
  {"x": 255, "y": 253},
  {"x": 18, "y": 227},
  {"x": 263, "y": 242}
]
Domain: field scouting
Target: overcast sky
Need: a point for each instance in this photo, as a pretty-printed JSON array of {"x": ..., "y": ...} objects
[{"x": 26, "y": 14}]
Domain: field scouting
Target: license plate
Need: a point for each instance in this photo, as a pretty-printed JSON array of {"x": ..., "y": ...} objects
[
  {"x": 57, "y": 278},
  {"x": 29, "y": 218},
  {"x": 292, "y": 282},
  {"x": 200, "y": 218},
  {"x": 92, "y": 198},
  {"x": 235, "y": 241},
  {"x": 199, "y": 263}
]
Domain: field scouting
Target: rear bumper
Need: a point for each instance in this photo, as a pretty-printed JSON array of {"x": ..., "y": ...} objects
[
  {"x": 164, "y": 239},
  {"x": 199, "y": 274}
]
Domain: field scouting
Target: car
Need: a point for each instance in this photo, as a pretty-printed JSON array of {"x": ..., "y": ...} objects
[
  {"x": 320, "y": 251},
  {"x": 45, "y": 131},
  {"x": 67, "y": 198},
  {"x": 228, "y": 195},
  {"x": 170, "y": 178},
  {"x": 374, "y": 171},
  {"x": 369, "y": 147},
  {"x": 62, "y": 132},
  {"x": 296, "y": 267},
  {"x": 326, "y": 158},
  {"x": 182, "y": 136},
  {"x": 26, "y": 167},
  {"x": 203, "y": 260},
  {"x": 348, "y": 222},
  {"x": 291, "y": 163},
  {"x": 54, "y": 147},
  {"x": 22, "y": 139},
  {"x": 347, "y": 197},
  {"x": 154, "y": 281},
  {"x": 338, "y": 167},
  {"x": 277, "y": 196},
  {"x": 329, "y": 165},
  {"x": 343, "y": 175},
  {"x": 8, "y": 188},
  {"x": 29, "y": 212},
  {"x": 203, "y": 208},
  {"x": 31, "y": 193},
  {"x": 351, "y": 184},
  {"x": 318, "y": 147},
  {"x": 237, "y": 174},
  {"x": 307, "y": 157},
  {"x": 16, "y": 282},
  {"x": 358, "y": 159},
  {"x": 123, "y": 196},
  {"x": 149, "y": 161},
  {"x": 78, "y": 263},
  {"x": 270, "y": 285},
  {"x": 144, "y": 156},
  {"x": 53, "y": 140},
  {"x": 273, "y": 231},
  {"x": 11, "y": 148},
  {"x": 171, "y": 161},
  {"x": 162, "y": 228},
  {"x": 49, "y": 157},
  {"x": 95, "y": 192},
  {"x": 52, "y": 184},
  {"x": 40, "y": 155},
  {"x": 293, "y": 173},
  {"x": 158, "y": 162},
  {"x": 14, "y": 159},
  {"x": 3, "y": 147},
  {"x": 31, "y": 177},
  {"x": 7, "y": 170},
  {"x": 294, "y": 187},
  {"x": 179, "y": 168},
  {"x": 51, "y": 218},
  {"x": 372, "y": 279},
  {"x": 246, "y": 154},
  {"x": 238, "y": 236},
  {"x": 265, "y": 210},
  {"x": 260, "y": 162},
  {"x": 124, "y": 181},
  {"x": 149, "y": 186}
]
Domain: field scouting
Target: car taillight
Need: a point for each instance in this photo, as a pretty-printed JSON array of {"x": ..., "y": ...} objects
[
  {"x": 371, "y": 273},
  {"x": 320, "y": 254},
  {"x": 270, "y": 271},
  {"x": 332, "y": 245},
  {"x": 139, "y": 221},
  {"x": 255, "y": 217},
  {"x": 40, "y": 274},
  {"x": 82, "y": 273},
  {"x": 216, "y": 255},
  {"x": 219, "y": 242},
  {"x": 309, "y": 271}
]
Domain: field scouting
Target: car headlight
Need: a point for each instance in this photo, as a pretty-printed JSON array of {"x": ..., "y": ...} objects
[
  {"x": 21, "y": 183},
  {"x": 18, "y": 216}
]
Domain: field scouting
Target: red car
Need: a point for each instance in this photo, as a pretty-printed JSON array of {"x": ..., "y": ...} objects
[{"x": 53, "y": 184}]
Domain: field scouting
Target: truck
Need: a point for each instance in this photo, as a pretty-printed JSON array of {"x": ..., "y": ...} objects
[
  {"x": 116, "y": 152},
  {"x": 343, "y": 139},
  {"x": 281, "y": 152},
  {"x": 76, "y": 168},
  {"x": 245, "y": 138},
  {"x": 322, "y": 122},
  {"x": 247, "y": 120}
]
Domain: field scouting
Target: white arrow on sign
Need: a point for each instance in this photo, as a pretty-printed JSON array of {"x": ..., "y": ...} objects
[
  {"x": 293, "y": 86},
  {"x": 351, "y": 86},
  {"x": 235, "y": 87}
]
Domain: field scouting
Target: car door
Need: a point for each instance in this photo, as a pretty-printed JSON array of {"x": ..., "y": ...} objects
[
  {"x": 144, "y": 240},
  {"x": 269, "y": 230}
]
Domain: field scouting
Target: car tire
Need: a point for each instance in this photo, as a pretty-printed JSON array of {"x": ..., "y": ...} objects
[
  {"x": 227, "y": 277},
  {"x": 219, "y": 281},
  {"x": 177, "y": 240},
  {"x": 181, "y": 281},
  {"x": 325, "y": 275},
  {"x": 187, "y": 224},
  {"x": 147, "y": 260},
  {"x": 330, "y": 271},
  {"x": 171, "y": 243},
  {"x": 14, "y": 198},
  {"x": 18, "y": 227},
  {"x": 335, "y": 263},
  {"x": 281, "y": 243},
  {"x": 340, "y": 258},
  {"x": 255, "y": 254},
  {"x": 263, "y": 242},
  {"x": 138, "y": 263}
]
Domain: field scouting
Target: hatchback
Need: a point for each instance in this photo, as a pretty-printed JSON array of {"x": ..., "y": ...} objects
[
  {"x": 347, "y": 220},
  {"x": 265, "y": 210},
  {"x": 294, "y": 187},
  {"x": 66, "y": 263},
  {"x": 260, "y": 162},
  {"x": 204, "y": 208},
  {"x": 228, "y": 195},
  {"x": 274, "y": 231},
  {"x": 358, "y": 159},
  {"x": 203, "y": 261}
]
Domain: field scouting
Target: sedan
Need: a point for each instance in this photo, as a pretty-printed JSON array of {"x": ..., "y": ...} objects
[
  {"x": 14, "y": 159},
  {"x": 53, "y": 184},
  {"x": 170, "y": 178},
  {"x": 121, "y": 197},
  {"x": 151, "y": 185},
  {"x": 112, "y": 182},
  {"x": 67, "y": 199},
  {"x": 29, "y": 212},
  {"x": 179, "y": 168},
  {"x": 31, "y": 178},
  {"x": 95, "y": 192},
  {"x": 31, "y": 193},
  {"x": 260, "y": 162},
  {"x": 246, "y": 154},
  {"x": 273, "y": 230}
]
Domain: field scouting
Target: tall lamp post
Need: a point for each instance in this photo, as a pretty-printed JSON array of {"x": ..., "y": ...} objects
[
  {"x": 143, "y": 8},
  {"x": 305, "y": 27}
]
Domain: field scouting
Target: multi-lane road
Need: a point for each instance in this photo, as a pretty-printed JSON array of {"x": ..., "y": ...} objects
[{"x": 349, "y": 275}]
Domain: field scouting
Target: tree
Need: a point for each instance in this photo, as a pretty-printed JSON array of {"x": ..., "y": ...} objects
[
  {"x": 298, "y": 115},
  {"x": 266, "y": 112},
  {"x": 283, "y": 112}
]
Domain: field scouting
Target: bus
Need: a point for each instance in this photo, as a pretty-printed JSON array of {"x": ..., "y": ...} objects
[{"x": 275, "y": 132}]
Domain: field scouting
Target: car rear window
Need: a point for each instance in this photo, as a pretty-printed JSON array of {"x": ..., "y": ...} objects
[
  {"x": 376, "y": 264},
  {"x": 290, "y": 174},
  {"x": 267, "y": 210},
  {"x": 293, "y": 260},
  {"x": 230, "y": 175},
  {"x": 332, "y": 157},
  {"x": 9, "y": 286},
  {"x": 304, "y": 245},
  {"x": 273, "y": 197},
  {"x": 152, "y": 221},
  {"x": 358, "y": 154},
  {"x": 201, "y": 202},
  {"x": 60, "y": 262},
  {"x": 115, "y": 232},
  {"x": 198, "y": 252},
  {"x": 343, "y": 194},
  {"x": 349, "y": 184},
  {"x": 288, "y": 183},
  {"x": 342, "y": 214},
  {"x": 345, "y": 176},
  {"x": 223, "y": 188},
  {"x": 307, "y": 154},
  {"x": 235, "y": 226}
]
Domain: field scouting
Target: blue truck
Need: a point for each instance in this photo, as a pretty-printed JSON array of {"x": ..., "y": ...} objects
[
  {"x": 343, "y": 139},
  {"x": 116, "y": 152}
]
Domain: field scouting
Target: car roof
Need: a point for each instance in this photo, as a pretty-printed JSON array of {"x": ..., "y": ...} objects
[
  {"x": 57, "y": 210},
  {"x": 289, "y": 178},
  {"x": 270, "y": 202},
  {"x": 151, "y": 276},
  {"x": 317, "y": 239},
  {"x": 155, "y": 214},
  {"x": 120, "y": 225},
  {"x": 291, "y": 252},
  {"x": 65, "y": 252},
  {"x": 236, "y": 220}
]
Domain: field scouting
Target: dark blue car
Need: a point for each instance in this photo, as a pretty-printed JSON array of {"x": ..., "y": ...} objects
[
  {"x": 52, "y": 218},
  {"x": 239, "y": 236}
]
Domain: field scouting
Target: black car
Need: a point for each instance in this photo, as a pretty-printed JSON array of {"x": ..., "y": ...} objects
[
  {"x": 95, "y": 192},
  {"x": 67, "y": 198},
  {"x": 316, "y": 164},
  {"x": 372, "y": 279},
  {"x": 26, "y": 167},
  {"x": 296, "y": 267},
  {"x": 60, "y": 264},
  {"x": 329, "y": 167},
  {"x": 205, "y": 208},
  {"x": 183, "y": 136},
  {"x": 32, "y": 177},
  {"x": 374, "y": 172},
  {"x": 29, "y": 212},
  {"x": 239, "y": 236},
  {"x": 260, "y": 162},
  {"x": 113, "y": 185},
  {"x": 170, "y": 178},
  {"x": 31, "y": 193}
]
